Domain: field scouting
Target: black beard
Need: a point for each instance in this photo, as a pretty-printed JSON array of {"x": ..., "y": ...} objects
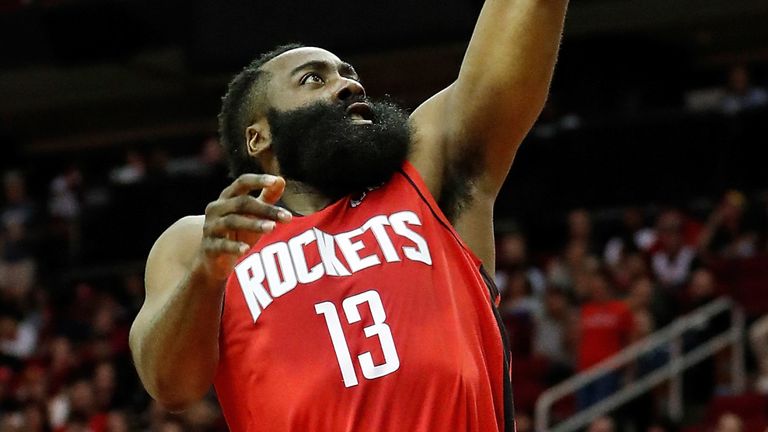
[{"x": 320, "y": 146}]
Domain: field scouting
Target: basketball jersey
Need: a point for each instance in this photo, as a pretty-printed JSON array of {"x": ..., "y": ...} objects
[{"x": 369, "y": 315}]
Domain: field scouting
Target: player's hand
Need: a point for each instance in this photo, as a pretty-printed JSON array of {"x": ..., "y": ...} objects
[{"x": 237, "y": 220}]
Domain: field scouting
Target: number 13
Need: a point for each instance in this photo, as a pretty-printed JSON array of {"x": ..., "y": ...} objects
[{"x": 378, "y": 328}]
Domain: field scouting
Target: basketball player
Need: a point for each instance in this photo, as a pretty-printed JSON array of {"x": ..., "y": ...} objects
[{"x": 347, "y": 293}]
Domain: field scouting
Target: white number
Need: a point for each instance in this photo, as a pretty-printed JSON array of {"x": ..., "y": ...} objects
[{"x": 379, "y": 328}]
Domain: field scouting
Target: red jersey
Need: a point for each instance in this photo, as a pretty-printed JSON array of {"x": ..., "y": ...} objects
[
  {"x": 605, "y": 329},
  {"x": 369, "y": 315}
]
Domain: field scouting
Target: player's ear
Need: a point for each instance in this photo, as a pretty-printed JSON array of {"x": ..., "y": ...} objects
[{"x": 258, "y": 139}]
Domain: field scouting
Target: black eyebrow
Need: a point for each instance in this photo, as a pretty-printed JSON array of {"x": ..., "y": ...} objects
[{"x": 344, "y": 68}]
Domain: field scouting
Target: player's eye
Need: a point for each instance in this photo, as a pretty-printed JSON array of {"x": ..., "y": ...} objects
[{"x": 312, "y": 78}]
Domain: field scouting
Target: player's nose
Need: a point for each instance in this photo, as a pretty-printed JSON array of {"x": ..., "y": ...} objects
[{"x": 349, "y": 90}]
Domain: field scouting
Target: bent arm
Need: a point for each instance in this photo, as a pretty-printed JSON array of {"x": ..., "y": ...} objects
[
  {"x": 500, "y": 91},
  {"x": 174, "y": 338}
]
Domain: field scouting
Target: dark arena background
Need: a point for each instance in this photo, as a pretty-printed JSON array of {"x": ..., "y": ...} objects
[{"x": 650, "y": 160}]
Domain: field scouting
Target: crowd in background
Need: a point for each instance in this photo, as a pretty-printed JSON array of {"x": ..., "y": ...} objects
[{"x": 64, "y": 359}]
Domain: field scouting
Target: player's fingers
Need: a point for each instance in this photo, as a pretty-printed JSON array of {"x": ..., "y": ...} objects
[
  {"x": 271, "y": 194},
  {"x": 246, "y": 205},
  {"x": 246, "y": 183},
  {"x": 217, "y": 246},
  {"x": 234, "y": 222}
]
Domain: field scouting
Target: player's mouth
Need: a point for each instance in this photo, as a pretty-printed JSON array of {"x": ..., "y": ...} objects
[{"x": 360, "y": 113}]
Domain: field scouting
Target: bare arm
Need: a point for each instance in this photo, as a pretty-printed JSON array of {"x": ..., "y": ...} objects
[
  {"x": 474, "y": 127},
  {"x": 174, "y": 338}
]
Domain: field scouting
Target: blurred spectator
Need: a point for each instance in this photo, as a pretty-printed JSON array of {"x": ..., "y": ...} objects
[
  {"x": 519, "y": 310},
  {"x": 602, "y": 424},
  {"x": 634, "y": 237},
  {"x": 673, "y": 261},
  {"x": 662, "y": 425},
  {"x": 64, "y": 207},
  {"x": 209, "y": 162},
  {"x": 605, "y": 326},
  {"x": 554, "y": 335},
  {"x": 700, "y": 380},
  {"x": 17, "y": 216},
  {"x": 727, "y": 234},
  {"x": 523, "y": 422},
  {"x": 511, "y": 257},
  {"x": 580, "y": 228},
  {"x": 740, "y": 94},
  {"x": 569, "y": 270},
  {"x": 758, "y": 337},
  {"x": 629, "y": 269},
  {"x": 18, "y": 337},
  {"x": 133, "y": 171},
  {"x": 729, "y": 422},
  {"x": 644, "y": 296}
]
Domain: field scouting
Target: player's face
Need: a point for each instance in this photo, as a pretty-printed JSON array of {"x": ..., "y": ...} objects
[
  {"x": 305, "y": 76},
  {"x": 324, "y": 131}
]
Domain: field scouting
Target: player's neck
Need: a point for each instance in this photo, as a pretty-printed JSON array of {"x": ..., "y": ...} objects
[{"x": 303, "y": 199}]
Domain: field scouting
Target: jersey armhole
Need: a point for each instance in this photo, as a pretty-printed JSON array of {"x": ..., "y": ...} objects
[{"x": 412, "y": 175}]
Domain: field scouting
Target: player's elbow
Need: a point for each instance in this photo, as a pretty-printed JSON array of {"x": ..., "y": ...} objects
[{"x": 176, "y": 394}]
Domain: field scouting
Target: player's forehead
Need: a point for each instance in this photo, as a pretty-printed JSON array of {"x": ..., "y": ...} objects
[{"x": 286, "y": 62}]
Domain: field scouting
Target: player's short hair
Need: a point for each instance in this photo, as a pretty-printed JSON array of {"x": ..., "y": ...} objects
[{"x": 244, "y": 100}]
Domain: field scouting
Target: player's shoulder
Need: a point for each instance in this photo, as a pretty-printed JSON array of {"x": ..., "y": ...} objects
[
  {"x": 187, "y": 228},
  {"x": 181, "y": 239}
]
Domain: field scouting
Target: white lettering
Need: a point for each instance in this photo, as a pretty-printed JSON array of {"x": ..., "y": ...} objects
[
  {"x": 250, "y": 275},
  {"x": 274, "y": 256},
  {"x": 333, "y": 266},
  {"x": 296, "y": 246},
  {"x": 350, "y": 248},
  {"x": 376, "y": 225},
  {"x": 421, "y": 252}
]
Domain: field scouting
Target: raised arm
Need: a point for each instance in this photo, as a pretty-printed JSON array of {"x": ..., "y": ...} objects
[{"x": 500, "y": 91}]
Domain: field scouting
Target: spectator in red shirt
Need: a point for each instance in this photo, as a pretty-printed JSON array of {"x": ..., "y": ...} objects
[{"x": 605, "y": 326}]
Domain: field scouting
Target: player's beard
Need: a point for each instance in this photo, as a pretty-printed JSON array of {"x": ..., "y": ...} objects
[{"x": 320, "y": 146}]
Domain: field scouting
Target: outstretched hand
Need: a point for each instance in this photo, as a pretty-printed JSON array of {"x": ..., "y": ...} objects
[{"x": 237, "y": 220}]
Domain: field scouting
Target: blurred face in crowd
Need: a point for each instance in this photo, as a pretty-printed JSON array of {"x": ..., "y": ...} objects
[
  {"x": 579, "y": 224},
  {"x": 641, "y": 293},
  {"x": 512, "y": 250},
  {"x": 729, "y": 423},
  {"x": 669, "y": 230},
  {"x": 643, "y": 325},
  {"x": 602, "y": 424},
  {"x": 81, "y": 397},
  {"x": 555, "y": 302},
  {"x": 321, "y": 128},
  {"x": 702, "y": 284},
  {"x": 599, "y": 288},
  {"x": 732, "y": 207},
  {"x": 738, "y": 80}
]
